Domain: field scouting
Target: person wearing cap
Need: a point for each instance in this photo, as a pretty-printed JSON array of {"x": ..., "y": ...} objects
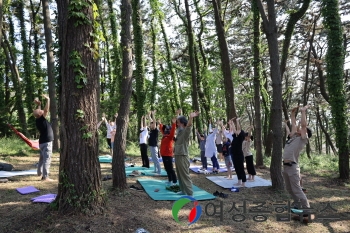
[
  {"x": 291, "y": 170},
  {"x": 45, "y": 138},
  {"x": 182, "y": 160},
  {"x": 167, "y": 150}
]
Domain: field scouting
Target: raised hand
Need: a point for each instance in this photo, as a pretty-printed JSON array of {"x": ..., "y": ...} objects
[
  {"x": 194, "y": 114},
  {"x": 45, "y": 96}
]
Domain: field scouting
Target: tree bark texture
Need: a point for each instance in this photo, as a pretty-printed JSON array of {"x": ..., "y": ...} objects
[
  {"x": 79, "y": 188},
  {"x": 225, "y": 62},
  {"x": 118, "y": 166}
]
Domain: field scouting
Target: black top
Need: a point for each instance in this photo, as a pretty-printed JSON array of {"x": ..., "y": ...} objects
[
  {"x": 236, "y": 146},
  {"x": 45, "y": 129},
  {"x": 153, "y": 137}
]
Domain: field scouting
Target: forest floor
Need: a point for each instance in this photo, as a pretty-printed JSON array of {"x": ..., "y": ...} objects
[{"x": 135, "y": 209}]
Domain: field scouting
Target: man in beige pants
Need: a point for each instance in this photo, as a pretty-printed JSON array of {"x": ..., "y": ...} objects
[
  {"x": 182, "y": 160},
  {"x": 291, "y": 170}
]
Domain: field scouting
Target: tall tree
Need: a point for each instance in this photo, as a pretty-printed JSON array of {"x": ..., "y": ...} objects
[
  {"x": 139, "y": 59},
  {"x": 26, "y": 51},
  {"x": 191, "y": 51},
  {"x": 335, "y": 81},
  {"x": 257, "y": 83},
  {"x": 225, "y": 61},
  {"x": 50, "y": 60},
  {"x": 118, "y": 168},
  {"x": 79, "y": 187},
  {"x": 11, "y": 61},
  {"x": 270, "y": 29}
]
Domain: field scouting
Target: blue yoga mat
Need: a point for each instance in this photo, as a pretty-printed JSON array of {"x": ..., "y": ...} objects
[
  {"x": 144, "y": 171},
  {"x": 166, "y": 195},
  {"x": 105, "y": 159}
]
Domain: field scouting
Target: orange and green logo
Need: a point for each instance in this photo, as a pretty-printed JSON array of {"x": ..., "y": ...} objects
[{"x": 195, "y": 212}]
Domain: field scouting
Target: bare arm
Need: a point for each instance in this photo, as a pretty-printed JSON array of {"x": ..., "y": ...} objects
[
  {"x": 142, "y": 121},
  {"x": 238, "y": 129},
  {"x": 47, "y": 106},
  {"x": 303, "y": 122},
  {"x": 192, "y": 115},
  {"x": 293, "y": 120},
  {"x": 287, "y": 128}
]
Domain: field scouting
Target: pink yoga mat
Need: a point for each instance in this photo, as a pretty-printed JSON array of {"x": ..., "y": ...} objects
[
  {"x": 27, "y": 190},
  {"x": 47, "y": 198}
]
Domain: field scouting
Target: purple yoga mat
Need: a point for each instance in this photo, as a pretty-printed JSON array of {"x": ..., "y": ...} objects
[
  {"x": 27, "y": 190},
  {"x": 47, "y": 198}
]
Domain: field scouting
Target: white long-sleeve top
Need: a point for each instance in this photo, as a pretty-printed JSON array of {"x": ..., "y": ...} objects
[
  {"x": 144, "y": 135},
  {"x": 110, "y": 128},
  {"x": 246, "y": 148},
  {"x": 210, "y": 146}
]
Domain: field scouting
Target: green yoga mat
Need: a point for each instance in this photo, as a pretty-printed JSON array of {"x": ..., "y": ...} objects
[
  {"x": 166, "y": 195},
  {"x": 105, "y": 158},
  {"x": 144, "y": 171}
]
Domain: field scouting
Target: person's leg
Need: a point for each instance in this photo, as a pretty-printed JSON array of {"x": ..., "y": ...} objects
[
  {"x": 41, "y": 159},
  {"x": 171, "y": 172},
  {"x": 294, "y": 178},
  {"x": 182, "y": 168},
  {"x": 204, "y": 160},
  {"x": 144, "y": 157},
  {"x": 178, "y": 172},
  {"x": 47, "y": 153},
  {"x": 167, "y": 162},
  {"x": 228, "y": 163},
  {"x": 215, "y": 162},
  {"x": 109, "y": 142},
  {"x": 250, "y": 166},
  {"x": 112, "y": 146},
  {"x": 154, "y": 155}
]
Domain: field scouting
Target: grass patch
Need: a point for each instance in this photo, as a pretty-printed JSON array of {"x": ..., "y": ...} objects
[{"x": 13, "y": 146}]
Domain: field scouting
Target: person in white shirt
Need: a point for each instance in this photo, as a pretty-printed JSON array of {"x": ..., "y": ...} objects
[{"x": 143, "y": 143}]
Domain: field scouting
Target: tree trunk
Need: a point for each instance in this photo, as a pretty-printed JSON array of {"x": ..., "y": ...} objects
[
  {"x": 270, "y": 28},
  {"x": 16, "y": 83},
  {"x": 335, "y": 81},
  {"x": 191, "y": 51},
  {"x": 50, "y": 60},
  {"x": 139, "y": 61},
  {"x": 257, "y": 75},
  {"x": 118, "y": 167},
  {"x": 79, "y": 187},
  {"x": 225, "y": 62}
]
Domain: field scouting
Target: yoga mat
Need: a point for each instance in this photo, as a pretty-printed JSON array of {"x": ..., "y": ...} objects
[
  {"x": 144, "y": 171},
  {"x": 225, "y": 183},
  {"x": 105, "y": 158},
  {"x": 159, "y": 159},
  {"x": 209, "y": 170},
  {"x": 167, "y": 195},
  {"x": 27, "y": 190},
  {"x": 198, "y": 159},
  {"x": 47, "y": 198},
  {"x": 17, "y": 173}
]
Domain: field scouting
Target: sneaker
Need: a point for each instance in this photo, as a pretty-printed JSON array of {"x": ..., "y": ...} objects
[
  {"x": 133, "y": 187},
  {"x": 216, "y": 193},
  {"x": 202, "y": 169},
  {"x": 223, "y": 195}
]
